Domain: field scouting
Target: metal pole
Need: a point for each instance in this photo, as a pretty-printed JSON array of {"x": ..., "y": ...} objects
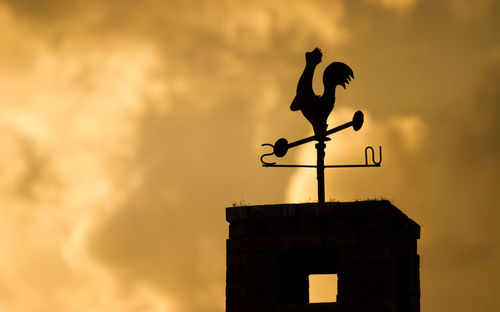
[{"x": 320, "y": 148}]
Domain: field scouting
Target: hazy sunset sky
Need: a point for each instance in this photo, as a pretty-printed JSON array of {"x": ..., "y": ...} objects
[{"x": 127, "y": 127}]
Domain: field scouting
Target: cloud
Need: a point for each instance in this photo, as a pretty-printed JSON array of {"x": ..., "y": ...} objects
[
  {"x": 67, "y": 113},
  {"x": 396, "y": 4}
]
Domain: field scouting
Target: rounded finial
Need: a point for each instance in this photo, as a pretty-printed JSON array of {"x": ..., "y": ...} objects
[
  {"x": 357, "y": 120},
  {"x": 281, "y": 147}
]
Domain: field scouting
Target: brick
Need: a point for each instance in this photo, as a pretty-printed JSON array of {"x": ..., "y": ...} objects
[
  {"x": 265, "y": 212},
  {"x": 281, "y": 227},
  {"x": 379, "y": 301},
  {"x": 413, "y": 228},
  {"x": 235, "y": 289},
  {"x": 376, "y": 223},
  {"x": 258, "y": 289},
  {"x": 236, "y": 274},
  {"x": 250, "y": 259},
  {"x": 242, "y": 229},
  {"x": 379, "y": 254},
  {"x": 353, "y": 210},
  {"x": 379, "y": 268},
  {"x": 248, "y": 304},
  {"x": 414, "y": 304},
  {"x": 379, "y": 287},
  {"x": 260, "y": 259},
  {"x": 233, "y": 259},
  {"x": 414, "y": 260},
  {"x": 341, "y": 240},
  {"x": 299, "y": 242},
  {"x": 413, "y": 271},
  {"x": 335, "y": 225},
  {"x": 313, "y": 307},
  {"x": 237, "y": 229},
  {"x": 403, "y": 252},
  {"x": 350, "y": 269},
  {"x": 309, "y": 225},
  {"x": 249, "y": 244},
  {"x": 413, "y": 286},
  {"x": 236, "y": 213},
  {"x": 314, "y": 210},
  {"x": 349, "y": 285},
  {"x": 407, "y": 241},
  {"x": 380, "y": 238},
  {"x": 261, "y": 274},
  {"x": 349, "y": 300},
  {"x": 351, "y": 255}
]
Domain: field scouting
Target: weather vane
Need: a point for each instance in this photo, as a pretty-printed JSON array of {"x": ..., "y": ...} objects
[{"x": 316, "y": 109}]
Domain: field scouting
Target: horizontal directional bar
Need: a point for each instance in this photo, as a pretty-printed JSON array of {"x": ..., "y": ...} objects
[
  {"x": 352, "y": 166},
  {"x": 314, "y": 166},
  {"x": 312, "y": 138},
  {"x": 356, "y": 123}
]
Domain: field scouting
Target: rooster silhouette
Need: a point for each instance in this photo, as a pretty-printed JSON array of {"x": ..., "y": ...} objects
[{"x": 317, "y": 108}]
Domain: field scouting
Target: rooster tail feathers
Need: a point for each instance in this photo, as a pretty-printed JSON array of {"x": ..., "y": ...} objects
[{"x": 337, "y": 73}]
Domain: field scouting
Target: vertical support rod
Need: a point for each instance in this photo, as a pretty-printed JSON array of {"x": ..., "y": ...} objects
[{"x": 320, "y": 170}]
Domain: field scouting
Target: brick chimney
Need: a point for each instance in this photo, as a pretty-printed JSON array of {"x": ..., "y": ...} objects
[{"x": 370, "y": 245}]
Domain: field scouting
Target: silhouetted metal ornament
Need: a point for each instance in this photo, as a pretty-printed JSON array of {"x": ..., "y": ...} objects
[
  {"x": 357, "y": 120},
  {"x": 281, "y": 147},
  {"x": 316, "y": 109}
]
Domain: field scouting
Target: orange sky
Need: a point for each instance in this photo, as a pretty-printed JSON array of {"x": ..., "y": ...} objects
[{"x": 127, "y": 129}]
